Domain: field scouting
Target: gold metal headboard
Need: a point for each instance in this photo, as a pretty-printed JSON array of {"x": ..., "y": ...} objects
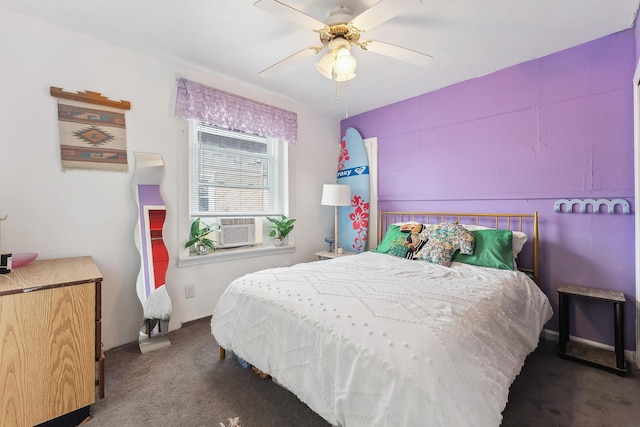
[{"x": 526, "y": 223}]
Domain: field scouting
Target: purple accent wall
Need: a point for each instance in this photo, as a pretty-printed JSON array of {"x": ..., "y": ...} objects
[{"x": 517, "y": 140}]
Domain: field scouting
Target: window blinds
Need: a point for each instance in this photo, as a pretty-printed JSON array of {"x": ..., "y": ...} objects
[{"x": 235, "y": 174}]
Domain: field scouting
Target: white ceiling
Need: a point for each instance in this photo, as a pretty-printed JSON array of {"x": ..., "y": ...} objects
[{"x": 467, "y": 39}]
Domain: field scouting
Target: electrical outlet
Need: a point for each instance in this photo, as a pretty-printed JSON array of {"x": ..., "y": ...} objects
[{"x": 189, "y": 291}]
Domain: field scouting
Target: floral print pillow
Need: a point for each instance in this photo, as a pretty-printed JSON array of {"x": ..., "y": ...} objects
[{"x": 443, "y": 241}]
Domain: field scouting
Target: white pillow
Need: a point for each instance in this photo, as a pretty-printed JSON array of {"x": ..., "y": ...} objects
[{"x": 519, "y": 238}]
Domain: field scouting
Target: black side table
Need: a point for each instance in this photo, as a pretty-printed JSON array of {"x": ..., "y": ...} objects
[{"x": 611, "y": 361}]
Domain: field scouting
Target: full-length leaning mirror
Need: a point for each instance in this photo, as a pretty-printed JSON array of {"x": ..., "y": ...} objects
[{"x": 154, "y": 257}]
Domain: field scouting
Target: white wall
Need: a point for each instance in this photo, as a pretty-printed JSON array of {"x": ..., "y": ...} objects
[{"x": 72, "y": 213}]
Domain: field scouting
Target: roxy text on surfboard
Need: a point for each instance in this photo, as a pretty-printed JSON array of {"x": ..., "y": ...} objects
[{"x": 359, "y": 170}]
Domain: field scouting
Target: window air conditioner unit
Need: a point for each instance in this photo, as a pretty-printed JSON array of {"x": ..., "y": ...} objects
[{"x": 237, "y": 232}]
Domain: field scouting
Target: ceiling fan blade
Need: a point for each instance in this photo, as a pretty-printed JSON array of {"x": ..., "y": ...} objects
[
  {"x": 397, "y": 52},
  {"x": 290, "y": 60},
  {"x": 294, "y": 15},
  {"x": 380, "y": 12}
]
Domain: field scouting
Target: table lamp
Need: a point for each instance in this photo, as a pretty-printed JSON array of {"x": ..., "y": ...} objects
[{"x": 336, "y": 195}]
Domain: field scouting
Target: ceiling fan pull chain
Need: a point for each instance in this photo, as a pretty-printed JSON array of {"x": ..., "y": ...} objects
[
  {"x": 346, "y": 97},
  {"x": 346, "y": 100}
]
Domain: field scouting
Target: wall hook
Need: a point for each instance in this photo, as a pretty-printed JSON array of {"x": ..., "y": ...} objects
[{"x": 595, "y": 205}]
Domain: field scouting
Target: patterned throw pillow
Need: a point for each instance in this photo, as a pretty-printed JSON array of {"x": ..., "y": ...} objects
[
  {"x": 398, "y": 248},
  {"x": 415, "y": 239},
  {"x": 443, "y": 241}
]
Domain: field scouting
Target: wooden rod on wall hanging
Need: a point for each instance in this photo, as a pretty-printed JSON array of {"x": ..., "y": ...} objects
[{"x": 90, "y": 97}]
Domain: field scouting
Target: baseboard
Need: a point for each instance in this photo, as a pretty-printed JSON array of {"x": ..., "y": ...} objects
[
  {"x": 629, "y": 355},
  {"x": 198, "y": 320}
]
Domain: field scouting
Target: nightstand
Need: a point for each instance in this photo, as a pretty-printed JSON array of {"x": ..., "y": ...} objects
[
  {"x": 611, "y": 361},
  {"x": 329, "y": 255}
]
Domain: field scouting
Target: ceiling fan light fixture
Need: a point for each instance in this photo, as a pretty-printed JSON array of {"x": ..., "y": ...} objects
[
  {"x": 345, "y": 63},
  {"x": 339, "y": 32},
  {"x": 325, "y": 65},
  {"x": 344, "y": 77}
]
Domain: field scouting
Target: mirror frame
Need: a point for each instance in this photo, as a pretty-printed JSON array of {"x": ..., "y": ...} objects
[{"x": 155, "y": 300}]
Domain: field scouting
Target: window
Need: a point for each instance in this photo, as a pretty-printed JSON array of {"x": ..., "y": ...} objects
[{"x": 235, "y": 174}]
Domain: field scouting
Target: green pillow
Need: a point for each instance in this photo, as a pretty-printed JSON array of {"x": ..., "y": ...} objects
[
  {"x": 493, "y": 248},
  {"x": 393, "y": 232}
]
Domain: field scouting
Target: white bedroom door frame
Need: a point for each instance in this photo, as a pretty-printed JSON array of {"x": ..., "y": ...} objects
[
  {"x": 371, "y": 145},
  {"x": 636, "y": 167}
]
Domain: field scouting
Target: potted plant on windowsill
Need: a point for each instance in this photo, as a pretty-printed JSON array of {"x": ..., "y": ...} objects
[
  {"x": 280, "y": 228},
  {"x": 199, "y": 237}
]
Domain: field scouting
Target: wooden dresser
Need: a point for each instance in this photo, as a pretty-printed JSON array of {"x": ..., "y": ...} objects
[{"x": 51, "y": 359}]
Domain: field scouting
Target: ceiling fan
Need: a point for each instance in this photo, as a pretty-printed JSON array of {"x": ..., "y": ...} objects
[{"x": 338, "y": 33}]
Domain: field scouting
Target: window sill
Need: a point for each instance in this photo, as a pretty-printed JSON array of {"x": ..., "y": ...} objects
[{"x": 221, "y": 255}]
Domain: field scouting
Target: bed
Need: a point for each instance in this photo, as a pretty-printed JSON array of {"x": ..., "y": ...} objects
[{"x": 382, "y": 339}]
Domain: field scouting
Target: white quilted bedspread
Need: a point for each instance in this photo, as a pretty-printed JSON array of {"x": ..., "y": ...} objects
[{"x": 374, "y": 340}]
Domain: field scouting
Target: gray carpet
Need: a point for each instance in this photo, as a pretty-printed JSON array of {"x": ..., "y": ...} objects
[{"x": 186, "y": 385}]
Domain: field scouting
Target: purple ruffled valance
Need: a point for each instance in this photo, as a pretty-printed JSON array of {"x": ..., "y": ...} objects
[{"x": 197, "y": 101}]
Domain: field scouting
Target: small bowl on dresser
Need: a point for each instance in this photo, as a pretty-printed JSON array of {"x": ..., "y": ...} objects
[{"x": 20, "y": 260}]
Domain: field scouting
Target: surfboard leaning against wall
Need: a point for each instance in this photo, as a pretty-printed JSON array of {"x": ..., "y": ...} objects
[{"x": 353, "y": 169}]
